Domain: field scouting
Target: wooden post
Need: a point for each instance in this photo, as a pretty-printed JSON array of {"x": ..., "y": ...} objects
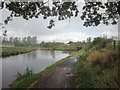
[{"x": 114, "y": 44}]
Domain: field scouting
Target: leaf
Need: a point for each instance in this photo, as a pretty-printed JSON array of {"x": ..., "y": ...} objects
[
  {"x": 76, "y": 13},
  {"x": 84, "y": 7}
]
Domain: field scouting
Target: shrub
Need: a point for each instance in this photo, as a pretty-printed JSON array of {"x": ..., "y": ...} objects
[
  {"x": 84, "y": 77},
  {"x": 98, "y": 69},
  {"x": 109, "y": 79}
]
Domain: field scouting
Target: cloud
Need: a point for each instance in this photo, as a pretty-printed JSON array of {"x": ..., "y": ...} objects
[
  {"x": 65, "y": 37},
  {"x": 110, "y": 31},
  {"x": 67, "y": 30}
]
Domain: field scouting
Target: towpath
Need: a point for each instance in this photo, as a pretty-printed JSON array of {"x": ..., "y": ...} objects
[{"x": 63, "y": 76}]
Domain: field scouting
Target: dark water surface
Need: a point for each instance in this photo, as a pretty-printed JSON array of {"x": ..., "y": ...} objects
[{"x": 36, "y": 60}]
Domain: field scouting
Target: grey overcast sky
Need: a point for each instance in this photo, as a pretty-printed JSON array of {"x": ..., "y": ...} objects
[{"x": 64, "y": 31}]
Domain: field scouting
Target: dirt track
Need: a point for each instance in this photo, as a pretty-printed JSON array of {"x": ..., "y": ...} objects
[{"x": 61, "y": 77}]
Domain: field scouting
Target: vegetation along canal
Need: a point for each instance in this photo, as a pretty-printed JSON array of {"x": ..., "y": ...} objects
[{"x": 35, "y": 60}]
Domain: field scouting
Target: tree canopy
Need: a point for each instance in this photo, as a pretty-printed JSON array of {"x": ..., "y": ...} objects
[{"x": 91, "y": 13}]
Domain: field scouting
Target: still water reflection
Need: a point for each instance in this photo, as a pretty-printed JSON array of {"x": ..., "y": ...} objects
[{"x": 36, "y": 60}]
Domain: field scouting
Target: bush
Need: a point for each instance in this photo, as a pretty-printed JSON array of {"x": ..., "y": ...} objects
[
  {"x": 84, "y": 77},
  {"x": 109, "y": 79},
  {"x": 98, "y": 69}
]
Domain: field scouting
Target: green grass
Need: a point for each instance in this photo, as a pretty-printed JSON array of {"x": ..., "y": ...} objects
[
  {"x": 16, "y": 48},
  {"x": 60, "y": 48},
  {"x": 8, "y": 51},
  {"x": 68, "y": 49},
  {"x": 27, "y": 81}
]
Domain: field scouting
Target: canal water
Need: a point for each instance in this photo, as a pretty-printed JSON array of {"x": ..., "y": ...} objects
[{"x": 36, "y": 60}]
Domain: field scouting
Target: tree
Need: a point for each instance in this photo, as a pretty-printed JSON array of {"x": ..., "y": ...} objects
[
  {"x": 4, "y": 36},
  {"x": 101, "y": 42},
  {"x": 62, "y": 10},
  {"x": 89, "y": 39},
  {"x": 70, "y": 42},
  {"x": 34, "y": 40},
  {"x": 11, "y": 39},
  {"x": 16, "y": 40},
  {"x": 53, "y": 45},
  {"x": 31, "y": 41},
  {"x": 93, "y": 16},
  {"x": 24, "y": 40},
  {"x": 29, "y": 10}
]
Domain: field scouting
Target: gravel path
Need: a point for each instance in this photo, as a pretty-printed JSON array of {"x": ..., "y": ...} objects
[{"x": 63, "y": 76}]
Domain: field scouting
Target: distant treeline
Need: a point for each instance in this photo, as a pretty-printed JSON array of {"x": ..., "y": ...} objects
[
  {"x": 62, "y": 46},
  {"x": 16, "y": 41},
  {"x": 32, "y": 41}
]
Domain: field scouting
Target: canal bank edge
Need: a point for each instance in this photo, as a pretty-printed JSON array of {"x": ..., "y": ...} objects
[
  {"x": 30, "y": 81},
  {"x": 12, "y": 51}
]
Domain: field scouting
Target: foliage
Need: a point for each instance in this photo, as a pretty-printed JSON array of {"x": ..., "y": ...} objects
[
  {"x": 111, "y": 45},
  {"x": 28, "y": 71},
  {"x": 8, "y": 51},
  {"x": 99, "y": 70},
  {"x": 93, "y": 16},
  {"x": 16, "y": 41},
  {"x": 29, "y": 10},
  {"x": 5, "y": 33},
  {"x": 98, "y": 43},
  {"x": 98, "y": 67},
  {"x": 85, "y": 73},
  {"x": 63, "y": 10},
  {"x": 62, "y": 46}
]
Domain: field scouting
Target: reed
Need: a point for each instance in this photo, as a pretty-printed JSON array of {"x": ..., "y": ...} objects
[{"x": 10, "y": 51}]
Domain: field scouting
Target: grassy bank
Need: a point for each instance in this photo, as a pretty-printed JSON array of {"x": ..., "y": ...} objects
[
  {"x": 27, "y": 81},
  {"x": 98, "y": 67},
  {"x": 64, "y": 49},
  {"x": 10, "y": 51}
]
